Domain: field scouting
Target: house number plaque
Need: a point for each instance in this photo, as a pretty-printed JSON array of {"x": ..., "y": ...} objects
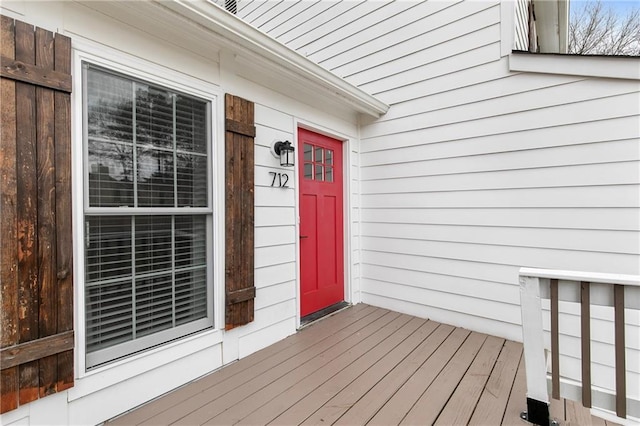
[{"x": 280, "y": 180}]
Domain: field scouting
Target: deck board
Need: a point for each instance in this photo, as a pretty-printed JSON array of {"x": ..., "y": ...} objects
[
  {"x": 430, "y": 404},
  {"x": 363, "y": 365},
  {"x": 462, "y": 403},
  {"x": 515, "y": 405},
  {"x": 493, "y": 401}
]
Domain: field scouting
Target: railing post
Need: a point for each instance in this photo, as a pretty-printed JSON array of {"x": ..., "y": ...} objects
[{"x": 534, "y": 355}]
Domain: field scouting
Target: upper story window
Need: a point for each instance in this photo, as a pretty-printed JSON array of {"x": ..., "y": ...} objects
[
  {"x": 148, "y": 214},
  {"x": 579, "y": 27}
]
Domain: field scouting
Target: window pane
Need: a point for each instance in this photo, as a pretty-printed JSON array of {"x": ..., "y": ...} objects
[
  {"x": 153, "y": 243},
  {"x": 155, "y": 178},
  {"x": 109, "y": 314},
  {"x": 308, "y": 171},
  {"x": 190, "y": 241},
  {"x": 319, "y": 172},
  {"x": 108, "y": 281},
  {"x": 191, "y": 295},
  {"x": 329, "y": 174},
  {"x": 110, "y": 132},
  {"x": 108, "y": 254},
  {"x": 192, "y": 180},
  {"x": 154, "y": 117},
  {"x": 110, "y": 174},
  {"x": 191, "y": 124},
  {"x": 154, "y": 304},
  {"x": 319, "y": 156},
  {"x": 109, "y": 107},
  {"x": 308, "y": 152},
  {"x": 329, "y": 159}
]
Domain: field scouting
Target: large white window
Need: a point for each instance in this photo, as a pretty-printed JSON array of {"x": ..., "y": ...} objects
[{"x": 147, "y": 215}]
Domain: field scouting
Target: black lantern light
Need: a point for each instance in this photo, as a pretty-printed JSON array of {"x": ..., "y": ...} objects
[{"x": 285, "y": 151}]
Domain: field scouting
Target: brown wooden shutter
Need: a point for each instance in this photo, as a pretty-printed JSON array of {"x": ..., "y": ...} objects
[
  {"x": 36, "y": 350},
  {"x": 239, "y": 210}
]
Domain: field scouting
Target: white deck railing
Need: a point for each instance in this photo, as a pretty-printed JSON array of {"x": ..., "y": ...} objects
[{"x": 533, "y": 337}]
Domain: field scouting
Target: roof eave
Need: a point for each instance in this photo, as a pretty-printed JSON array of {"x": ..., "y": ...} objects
[{"x": 240, "y": 33}]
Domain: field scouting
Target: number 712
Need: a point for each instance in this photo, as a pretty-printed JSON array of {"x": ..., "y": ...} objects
[{"x": 280, "y": 180}]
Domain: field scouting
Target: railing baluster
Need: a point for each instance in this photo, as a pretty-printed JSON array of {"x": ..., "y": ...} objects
[
  {"x": 555, "y": 342},
  {"x": 585, "y": 339},
  {"x": 621, "y": 368}
]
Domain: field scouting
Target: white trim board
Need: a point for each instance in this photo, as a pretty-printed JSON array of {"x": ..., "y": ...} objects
[{"x": 587, "y": 66}]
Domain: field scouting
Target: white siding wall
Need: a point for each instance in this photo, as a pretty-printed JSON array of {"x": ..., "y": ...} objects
[{"x": 476, "y": 171}]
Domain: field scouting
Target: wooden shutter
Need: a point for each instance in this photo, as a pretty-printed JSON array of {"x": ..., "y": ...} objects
[
  {"x": 239, "y": 211},
  {"x": 36, "y": 351}
]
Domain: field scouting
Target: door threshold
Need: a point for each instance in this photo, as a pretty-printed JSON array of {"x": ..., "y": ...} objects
[{"x": 322, "y": 313}]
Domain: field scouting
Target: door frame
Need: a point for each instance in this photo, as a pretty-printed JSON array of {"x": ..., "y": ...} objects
[{"x": 347, "y": 143}]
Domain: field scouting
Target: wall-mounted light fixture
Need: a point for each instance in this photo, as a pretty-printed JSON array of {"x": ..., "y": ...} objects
[{"x": 284, "y": 150}]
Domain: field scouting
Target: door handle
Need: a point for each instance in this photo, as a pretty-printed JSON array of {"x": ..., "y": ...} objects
[{"x": 304, "y": 236}]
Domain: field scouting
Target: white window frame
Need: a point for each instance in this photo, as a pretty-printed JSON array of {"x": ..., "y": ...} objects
[{"x": 137, "y": 68}]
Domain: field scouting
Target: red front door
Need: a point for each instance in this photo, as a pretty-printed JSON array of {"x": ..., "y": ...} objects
[{"x": 321, "y": 223}]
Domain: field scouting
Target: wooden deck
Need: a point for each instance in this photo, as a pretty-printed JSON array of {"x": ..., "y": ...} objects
[{"x": 363, "y": 365}]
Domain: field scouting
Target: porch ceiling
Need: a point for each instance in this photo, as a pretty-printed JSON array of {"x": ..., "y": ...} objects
[{"x": 363, "y": 365}]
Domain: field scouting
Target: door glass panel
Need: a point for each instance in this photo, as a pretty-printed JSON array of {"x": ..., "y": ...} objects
[
  {"x": 319, "y": 155},
  {"x": 308, "y": 152},
  {"x": 319, "y": 172},
  {"x": 329, "y": 159},
  {"x": 328, "y": 174},
  {"x": 308, "y": 171}
]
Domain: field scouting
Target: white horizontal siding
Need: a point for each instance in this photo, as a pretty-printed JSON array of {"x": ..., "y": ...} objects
[
  {"x": 529, "y": 107},
  {"x": 468, "y": 87},
  {"x": 521, "y": 18},
  {"x": 553, "y": 139},
  {"x": 478, "y": 28},
  {"x": 561, "y": 239},
  {"x": 621, "y": 173},
  {"x": 567, "y": 197},
  {"x": 472, "y": 67},
  {"x": 331, "y": 12},
  {"x": 281, "y": 22},
  {"x": 335, "y": 22},
  {"x": 523, "y": 159},
  {"x": 433, "y": 281},
  {"x": 447, "y": 127},
  {"x": 377, "y": 32},
  {"x": 515, "y": 256},
  {"x": 618, "y": 219}
]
